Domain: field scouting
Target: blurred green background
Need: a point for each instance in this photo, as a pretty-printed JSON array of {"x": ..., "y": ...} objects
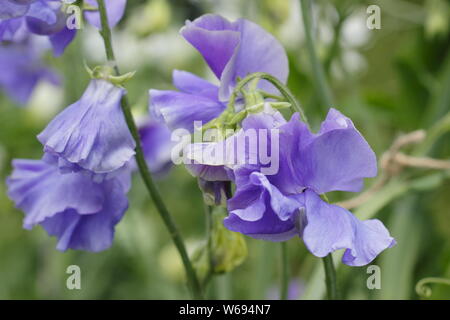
[{"x": 389, "y": 81}]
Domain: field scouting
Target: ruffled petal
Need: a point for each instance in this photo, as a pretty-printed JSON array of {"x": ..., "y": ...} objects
[
  {"x": 259, "y": 210},
  {"x": 236, "y": 49},
  {"x": 215, "y": 38},
  {"x": 93, "y": 232},
  {"x": 181, "y": 110},
  {"x": 338, "y": 158},
  {"x": 92, "y": 132},
  {"x": 39, "y": 189},
  {"x": 331, "y": 228},
  {"x": 115, "y": 10},
  {"x": 258, "y": 51}
]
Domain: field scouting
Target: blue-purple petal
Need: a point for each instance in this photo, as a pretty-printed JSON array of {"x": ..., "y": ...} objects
[
  {"x": 259, "y": 210},
  {"x": 236, "y": 49},
  {"x": 61, "y": 40},
  {"x": 338, "y": 158},
  {"x": 331, "y": 228},
  {"x": 92, "y": 132},
  {"x": 81, "y": 213},
  {"x": 180, "y": 110}
]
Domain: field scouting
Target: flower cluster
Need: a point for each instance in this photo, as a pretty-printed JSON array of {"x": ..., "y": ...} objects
[
  {"x": 77, "y": 191},
  {"x": 287, "y": 203}
]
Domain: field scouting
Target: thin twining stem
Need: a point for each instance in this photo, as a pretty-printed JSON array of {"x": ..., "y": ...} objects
[
  {"x": 285, "y": 92},
  {"x": 284, "y": 288},
  {"x": 191, "y": 275}
]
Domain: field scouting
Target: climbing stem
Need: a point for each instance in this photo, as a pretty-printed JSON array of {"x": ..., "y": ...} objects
[
  {"x": 330, "y": 277},
  {"x": 284, "y": 271},
  {"x": 177, "y": 239}
]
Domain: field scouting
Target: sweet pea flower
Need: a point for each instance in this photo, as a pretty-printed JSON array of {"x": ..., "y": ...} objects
[
  {"x": 232, "y": 50},
  {"x": 48, "y": 18},
  {"x": 287, "y": 203},
  {"x": 81, "y": 213},
  {"x": 91, "y": 134}
]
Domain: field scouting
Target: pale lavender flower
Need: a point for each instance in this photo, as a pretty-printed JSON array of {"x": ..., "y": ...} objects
[{"x": 286, "y": 204}]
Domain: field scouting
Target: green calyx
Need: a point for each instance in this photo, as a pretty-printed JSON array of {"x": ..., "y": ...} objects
[
  {"x": 254, "y": 102},
  {"x": 106, "y": 72}
]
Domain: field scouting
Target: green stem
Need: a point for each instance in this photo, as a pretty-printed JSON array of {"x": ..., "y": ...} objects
[
  {"x": 143, "y": 168},
  {"x": 322, "y": 88},
  {"x": 330, "y": 277},
  {"x": 326, "y": 99},
  {"x": 209, "y": 223},
  {"x": 284, "y": 272}
]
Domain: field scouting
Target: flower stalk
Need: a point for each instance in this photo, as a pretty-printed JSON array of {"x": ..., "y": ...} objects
[
  {"x": 284, "y": 271},
  {"x": 330, "y": 277},
  {"x": 192, "y": 279}
]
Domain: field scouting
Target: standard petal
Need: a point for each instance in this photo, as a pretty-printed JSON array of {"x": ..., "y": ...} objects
[
  {"x": 236, "y": 49},
  {"x": 181, "y": 110},
  {"x": 258, "y": 51},
  {"x": 22, "y": 70},
  {"x": 115, "y": 10},
  {"x": 93, "y": 232},
  {"x": 331, "y": 228},
  {"x": 215, "y": 38},
  {"x": 338, "y": 158},
  {"x": 92, "y": 132}
]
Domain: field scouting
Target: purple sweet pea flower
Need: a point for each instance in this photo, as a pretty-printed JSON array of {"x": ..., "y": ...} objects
[
  {"x": 81, "y": 213},
  {"x": 47, "y": 18},
  {"x": 91, "y": 134},
  {"x": 232, "y": 50},
  {"x": 236, "y": 49},
  {"x": 280, "y": 206},
  {"x": 22, "y": 69}
]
